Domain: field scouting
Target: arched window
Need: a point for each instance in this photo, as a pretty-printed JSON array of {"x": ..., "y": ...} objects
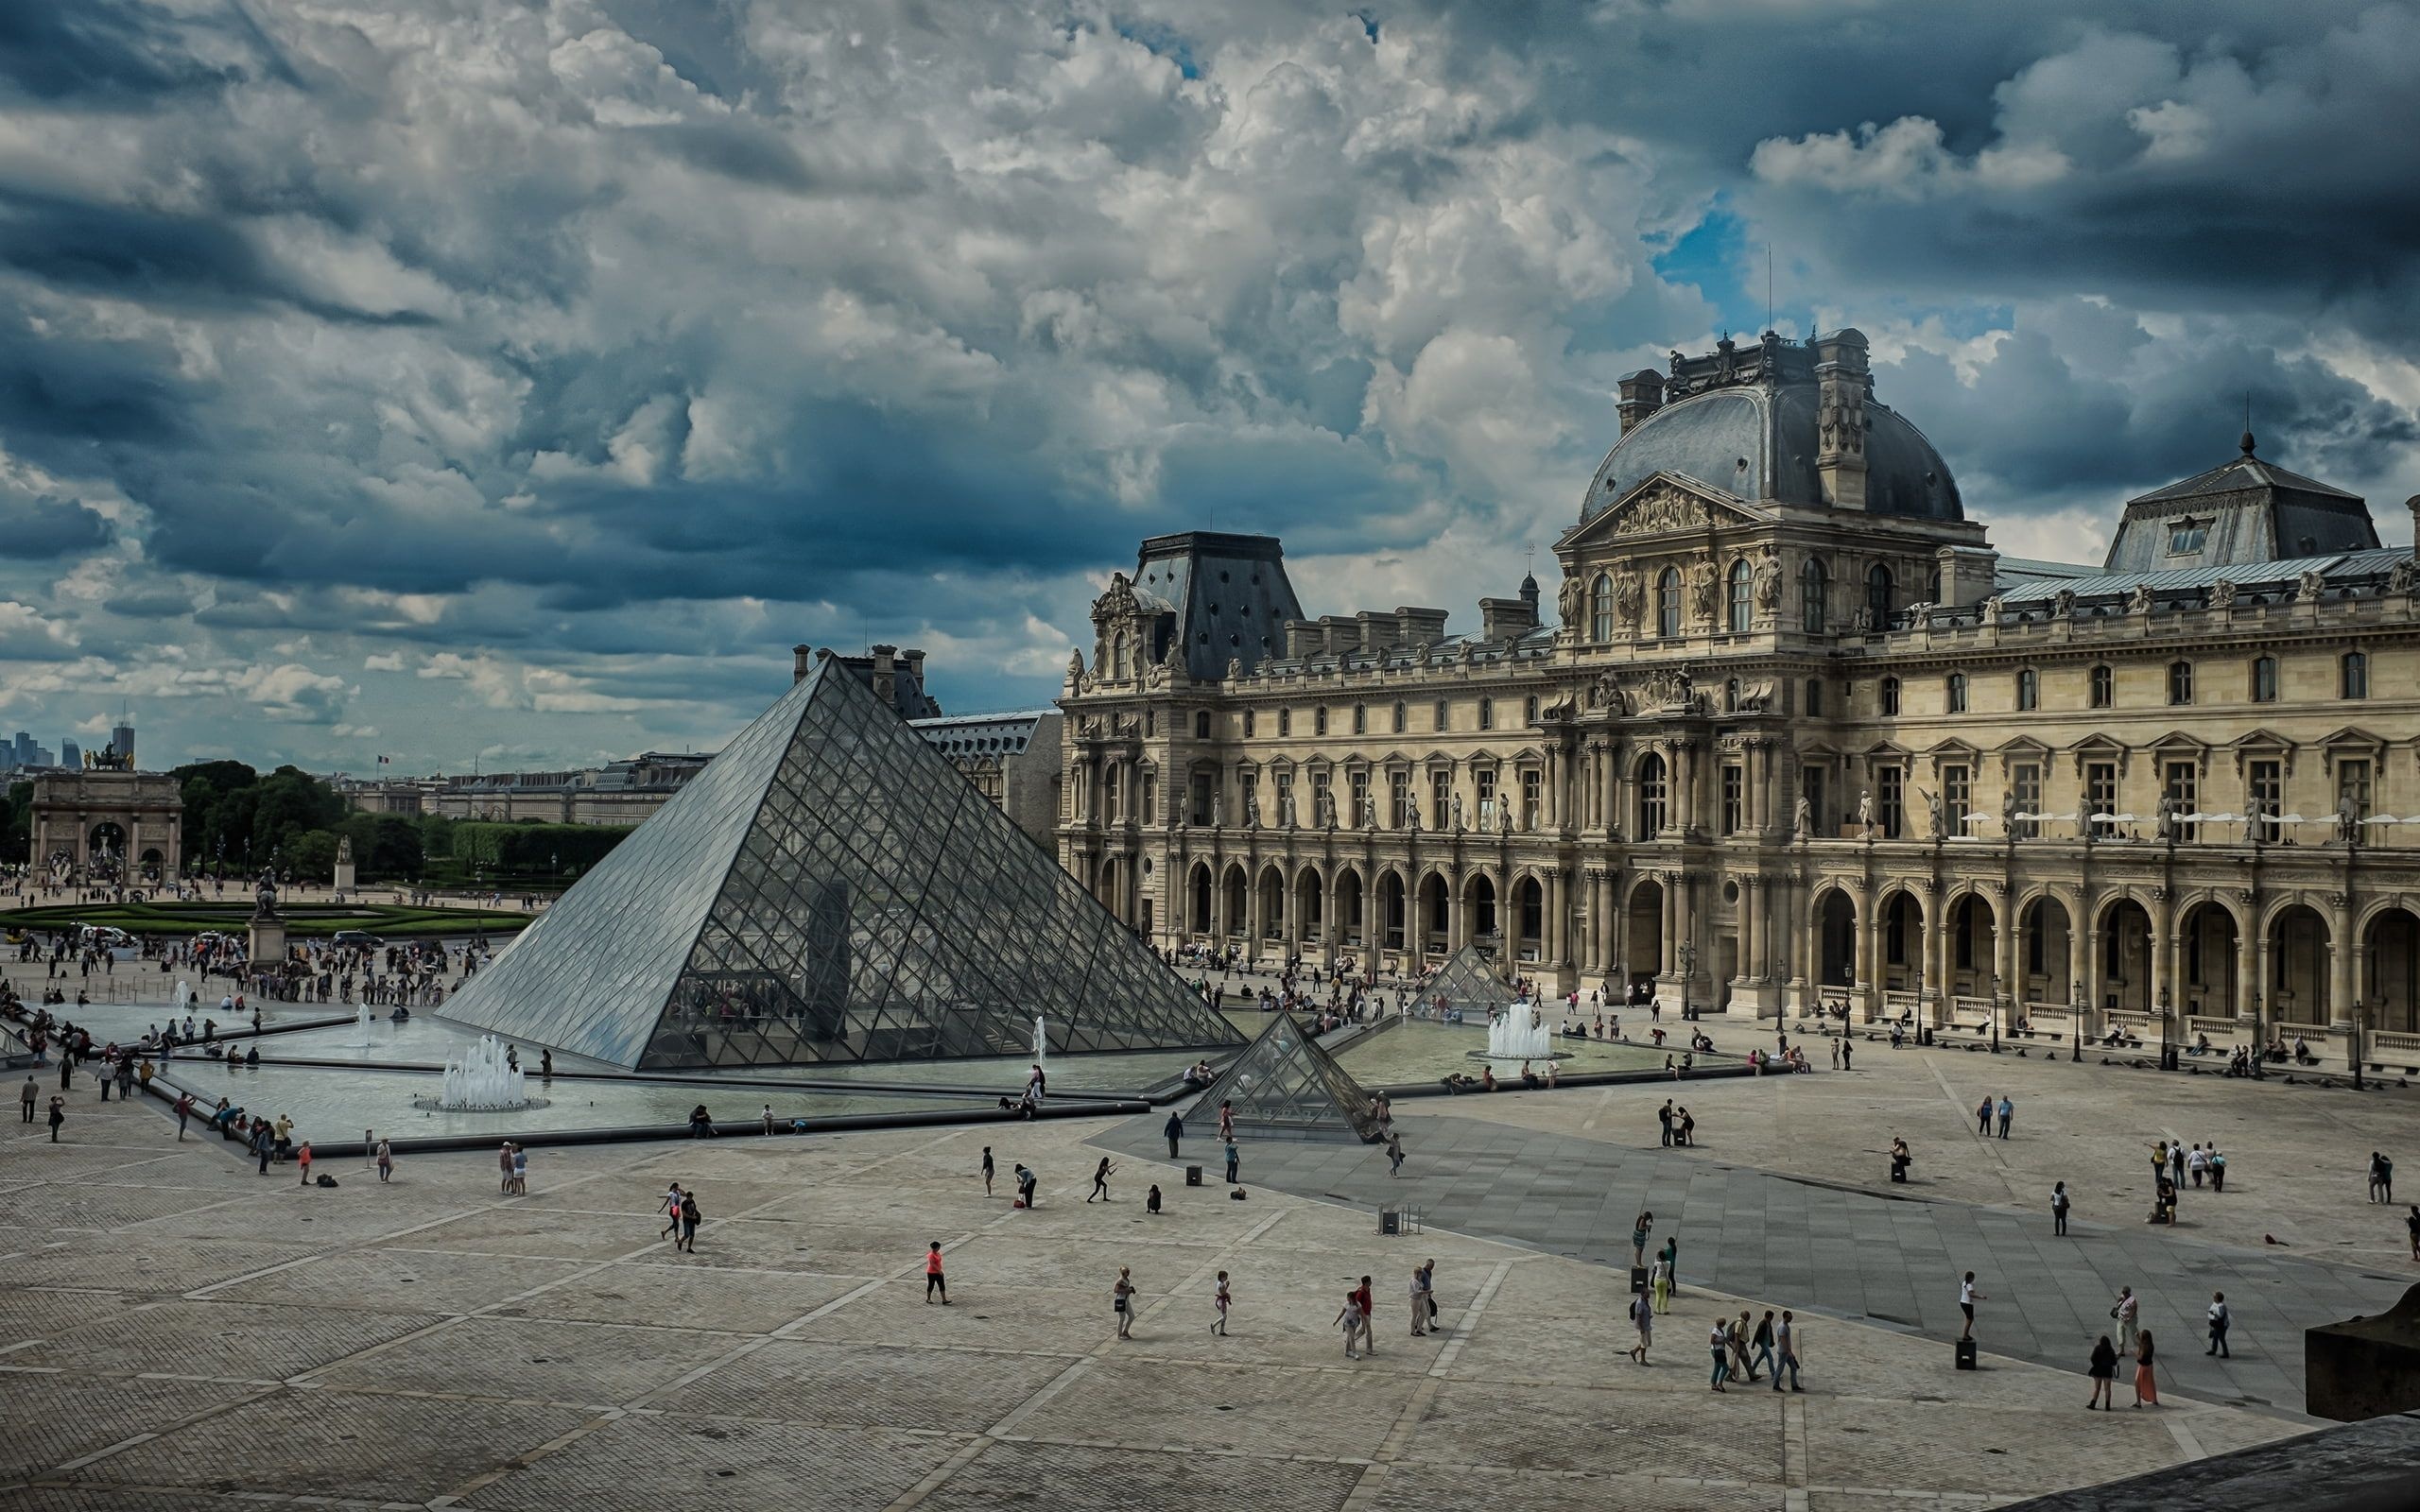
[
  {"x": 1815, "y": 697},
  {"x": 1742, "y": 597},
  {"x": 1487, "y": 714},
  {"x": 1814, "y": 589},
  {"x": 1667, "y": 603},
  {"x": 1958, "y": 693},
  {"x": 1601, "y": 609},
  {"x": 2353, "y": 676},
  {"x": 1360, "y": 719},
  {"x": 1889, "y": 696},
  {"x": 2104, "y": 686},
  {"x": 1650, "y": 797},
  {"x": 2029, "y": 689},
  {"x": 2264, "y": 679},
  {"x": 1881, "y": 597},
  {"x": 2180, "y": 682},
  {"x": 1399, "y": 718}
]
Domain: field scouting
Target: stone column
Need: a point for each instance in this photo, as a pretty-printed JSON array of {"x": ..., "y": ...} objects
[
  {"x": 2163, "y": 950},
  {"x": 2084, "y": 973},
  {"x": 2009, "y": 989},
  {"x": 1867, "y": 934},
  {"x": 2247, "y": 976},
  {"x": 1552, "y": 799},
  {"x": 2342, "y": 949},
  {"x": 1929, "y": 975}
]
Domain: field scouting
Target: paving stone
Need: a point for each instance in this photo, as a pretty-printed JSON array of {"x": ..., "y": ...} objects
[
  {"x": 1066, "y": 1478},
  {"x": 884, "y": 1385},
  {"x": 689, "y": 1465}
]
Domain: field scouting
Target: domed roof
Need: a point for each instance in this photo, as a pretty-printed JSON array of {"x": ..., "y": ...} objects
[{"x": 1758, "y": 440}]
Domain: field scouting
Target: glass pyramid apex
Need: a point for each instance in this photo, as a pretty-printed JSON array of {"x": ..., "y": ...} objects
[
  {"x": 830, "y": 889},
  {"x": 1286, "y": 1084}
]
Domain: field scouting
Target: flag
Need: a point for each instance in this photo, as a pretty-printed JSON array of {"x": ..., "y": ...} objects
[{"x": 383, "y": 761}]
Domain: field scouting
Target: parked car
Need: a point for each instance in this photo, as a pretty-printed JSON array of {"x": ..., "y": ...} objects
[{"x": 356, "y": 937}]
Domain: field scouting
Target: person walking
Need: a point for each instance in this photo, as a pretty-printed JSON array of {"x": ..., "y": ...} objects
[
  {"x": 2146, "y": 1384},
  {"x": 1737, "y": 1332},
  {"x": 1639, "y": 1229},
  {"x": 1175, "y": 1129},
  {"x": 1419, "y": 1300},
  {"x": 1642, "y": 1317},
  {"x": 1235, "y": 1163},
  {"x": 27, "y": 1095},
  {"x": 987, "y": 1170},
  {"x": 1222, "y": 1301},
  {"x": 185, "y": 1112},
  {"x": 670, "y": 1208},
  {"x": 2059, "y": 1204},
  {"x": 1394, "y": 1155},
  {"x": 1348, "y": 1317},
  {"x": 691, "y": 1215},
  {"x": 934, "y": 1280},
  {"x": 1785, "y": 1339},
  {"x": 2103, "y": 1371},
  {"x": 1760, "y": 1345},
  {"x": 2218, "y": 1169},
  {"x": 1983, "y": 1118},
  {"x": 2008, "y": 1113},
  {"x": 1719, "y": 1344},
  {"x": 303, "y": 1158},
  {"x": 1967, "y": 1298},
  {"x": 1428, "y": 1295},
  {"x": 2220, "y": 1318},
  {"x": 2381, "y": 1178},
  {"x": 2197, "y": 1164},
  {"x": 261, "y": 1146},
  {"x": 2412, "y": 1227},
  {"x": 503, "y": 1168},
  {"x": 1227, "y": 1122},
  {"x": 520, "y": 1170},
  {"x": 58, "y": 1116},
  {"x": 1100, "y": 1181},
  {"x": 2128, "y": 1308},
  {"x": 2176, "y": 1164},
  {"x": 1369, "y": 1301},
  {"x": 1121, "y": 1301},
  {"x": 385, "y": 1161}
]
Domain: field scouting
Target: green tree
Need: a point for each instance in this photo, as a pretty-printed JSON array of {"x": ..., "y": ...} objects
[{"x": 312, "y": 854}]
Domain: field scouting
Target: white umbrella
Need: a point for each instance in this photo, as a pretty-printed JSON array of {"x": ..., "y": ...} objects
[{"x": 2381, "y": 818}]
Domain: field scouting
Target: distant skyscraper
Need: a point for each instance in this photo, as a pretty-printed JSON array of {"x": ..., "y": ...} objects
[
  {"x": 69, "y": 755},
  {"x": 21, "y": 751},
  {"x": 43, "y": 757},
  {"x": 122, "y": 741}
]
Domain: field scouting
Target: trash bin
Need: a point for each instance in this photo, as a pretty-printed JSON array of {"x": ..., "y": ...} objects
[{"x": 1193, "y": 1176}]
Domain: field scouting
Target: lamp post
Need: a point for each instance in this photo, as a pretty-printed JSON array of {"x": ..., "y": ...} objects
[
  {"x": 1688, "y": 970},
  {"x": 2165, "y": 1050},
  {"x": 2358, "y": 1018}
]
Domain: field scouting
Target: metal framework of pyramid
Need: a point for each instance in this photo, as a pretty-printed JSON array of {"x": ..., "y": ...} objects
[
  {"x": 830, "y": 889},
  {"x": 1285, "y": 1084},
  {"x": 1468, "y": 981}
]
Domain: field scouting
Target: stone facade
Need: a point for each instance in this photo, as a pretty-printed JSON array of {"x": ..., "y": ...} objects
[
  {"x": 1815, "y": 742},
  {"x": 85, "y": 822}
]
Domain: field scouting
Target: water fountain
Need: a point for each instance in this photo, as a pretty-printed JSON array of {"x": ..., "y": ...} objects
[
  {"x": 481, "y": 1079},
  {"x": 1041, "y": 1045},
  {"x": 362, "y": 1020},
  {"x": 1521, "y": 1033}
]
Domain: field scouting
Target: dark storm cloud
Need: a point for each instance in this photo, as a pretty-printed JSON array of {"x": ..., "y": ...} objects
[{"x": 605, "y": 348}]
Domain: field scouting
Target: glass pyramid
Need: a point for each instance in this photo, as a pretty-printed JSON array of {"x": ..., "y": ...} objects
[
  {"x": 1468, "y": 981},
  {"x": 830, "y": 889},
  {"x": 1285, "y": 1084}
]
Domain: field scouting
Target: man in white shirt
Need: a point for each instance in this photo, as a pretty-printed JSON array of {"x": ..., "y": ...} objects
[
  {"x": 2219, "y": 1321},
  {"x": 1967, "y": 1298},
  {"x": 2128, "y": 1305}
]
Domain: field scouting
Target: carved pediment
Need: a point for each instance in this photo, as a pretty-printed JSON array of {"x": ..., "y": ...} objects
[
  {"x": 1664, "y": 502},
  {"x": 1117, "y": 603}
]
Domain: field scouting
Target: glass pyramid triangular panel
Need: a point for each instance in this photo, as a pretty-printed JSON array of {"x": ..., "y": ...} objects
[
  {"x": 1285, "y": 1083},
  {"x": 1468, "y": 981},
  {"x": 829, "y": 888}
]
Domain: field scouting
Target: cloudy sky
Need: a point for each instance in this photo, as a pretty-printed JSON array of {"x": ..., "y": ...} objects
[{"x": 515, "y": 381}]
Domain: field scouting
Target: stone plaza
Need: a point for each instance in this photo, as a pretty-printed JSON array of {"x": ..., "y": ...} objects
[{"x": 177, "y": 1332}]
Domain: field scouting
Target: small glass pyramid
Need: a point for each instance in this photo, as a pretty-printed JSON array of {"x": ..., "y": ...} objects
[
  {"x": 1468, "y": 981},
  {"x": 830, "y": 889},
  {"x": 1285, "y": 1084}
]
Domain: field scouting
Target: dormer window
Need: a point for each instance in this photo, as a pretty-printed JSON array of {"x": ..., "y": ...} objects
[{"x": 2186, "y": 537}]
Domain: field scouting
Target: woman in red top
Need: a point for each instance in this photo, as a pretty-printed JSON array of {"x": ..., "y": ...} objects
[{"x": 934, "y": 1281}]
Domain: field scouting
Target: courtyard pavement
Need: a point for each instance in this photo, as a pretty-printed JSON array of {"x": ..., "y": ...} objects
[{"x": 178, "y": 1332}]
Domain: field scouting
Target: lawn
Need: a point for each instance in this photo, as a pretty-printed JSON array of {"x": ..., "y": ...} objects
[{"x": 388, "y": 920}]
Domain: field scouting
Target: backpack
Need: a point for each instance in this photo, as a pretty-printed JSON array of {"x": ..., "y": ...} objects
[{"x": 324, "y": 1179}]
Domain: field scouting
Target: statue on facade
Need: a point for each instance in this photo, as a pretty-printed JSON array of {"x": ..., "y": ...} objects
[
  {"x": 2309, "y": 586},
  {"x": 1993, "y": 608},
  {"x": 1769, "y": 579},
  {"x": 1628, "y": 595},
  {"x": 1865, "y": 812},
  {"x": 2008, "y": 812},
  {"x": 2348, "y": 820},
  {"x": 2063, "y": 604},
  {"x": 2223, "y": 593},
  {"x": 1218, "y": 808},
  {"x": 1802, "y": 818},
  {"x": 1504, "y": 816},
  {"x": 1861, "y": 619},
  {"x": 1701, "y": 592},
  {"x": 1934, "y": 819},
  {"x": 2402, "y": 576},
  {"x": 1251, "y": 808},
  {"x": 1570, "y": 601},
  {"x": 1235, "y": 669},
  {"x": 2164, "y": 818},
  {"x": 2139, "y": 601},
  {"x": 1075, "y": 668},
  {"x": 1458, "y": 814}
]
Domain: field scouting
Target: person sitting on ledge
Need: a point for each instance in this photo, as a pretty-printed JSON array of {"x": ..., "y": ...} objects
[
  {"x": 1455, "y": 1083},
  {"x": 1487, "y": 1078},
  {"x": 1529, "y": 1077},
  {"x": 2302, "y": 1053},
  {"x": 252, "y": 1056},
  {"x": 2200, "y": 1045},
  {"x": 702, "y": 1124}
]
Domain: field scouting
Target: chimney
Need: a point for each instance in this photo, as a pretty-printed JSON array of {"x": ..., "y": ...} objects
[
  {"x": 1421, "y": 627},
  {"x": 1843, "y": 378},
  {"x": 1505, "y": 619},
  {"x": 1379, "y": 629},
  {"x": 914, "y": 660},
  {"x": 884, "y": 667},
  {"x": 802, "y": 662},
  {"x": 1641, "y": 394}
]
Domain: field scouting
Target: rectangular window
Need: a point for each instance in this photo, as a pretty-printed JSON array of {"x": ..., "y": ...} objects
[
  {"x": 1734, "y": 800},
  {"x": 1533, "y": 786},
  {"x": 1284, "y": 722},
  {"x": 1360, "y": 782},
  {"x": 1318, "y": 720},
  {"x": 2029, "y": 690},
  {"x": 1250, "y": 724},
  {"x": 1957, "y": 796},
  {"x": 1203, "y": 784},
  {"x": 1151, "y": 793},
  {"x": 2100, "y": 790},
  {"x": 2353, "y": 785},
  {"x": 1440, "y": 798},
  {"x": 1445, "y": 712},
  {"x": 2268, "y": 792},
  {"x": 1399, "y": 799},
  {"x": 1323, "y": 802},
  {"x": 1811, "y": 787},
  {"x": 1484, "y": 780},
  {"x": 1282, "y": 812},
  {"x": 2186, "y": 537},
  {"x": 1247, "y": 798},
  {"x": 1890, "y": 800},
  {"x": 2025, "y": 786},
  {"x": 2264, "y": 679},
  {"x": 2181, "y": 782}
]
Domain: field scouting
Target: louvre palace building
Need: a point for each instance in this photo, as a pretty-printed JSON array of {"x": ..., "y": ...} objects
[{"x": 1793, "y": 735}]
